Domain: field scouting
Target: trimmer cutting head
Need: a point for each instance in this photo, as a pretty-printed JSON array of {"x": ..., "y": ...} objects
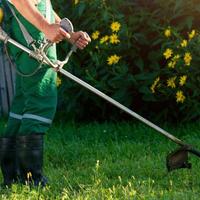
[{"x": 178, "y": 159}]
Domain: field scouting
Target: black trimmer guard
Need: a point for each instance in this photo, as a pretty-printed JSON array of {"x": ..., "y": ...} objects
[{"x": 178, "y": 159}]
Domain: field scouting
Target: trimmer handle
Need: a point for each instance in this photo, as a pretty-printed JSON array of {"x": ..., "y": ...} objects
[{"x": 67, "y": 25}]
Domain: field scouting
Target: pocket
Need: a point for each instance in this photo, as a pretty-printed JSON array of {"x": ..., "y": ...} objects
[
  {"x": 26, "y": 65},
  {"x": 42, "y": 84}
]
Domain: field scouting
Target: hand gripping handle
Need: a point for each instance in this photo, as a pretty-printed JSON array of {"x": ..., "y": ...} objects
[{"x": 68, "y": 27}]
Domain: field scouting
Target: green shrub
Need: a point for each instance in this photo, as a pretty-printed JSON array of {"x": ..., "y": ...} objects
[{"x": 138, "y": 75}]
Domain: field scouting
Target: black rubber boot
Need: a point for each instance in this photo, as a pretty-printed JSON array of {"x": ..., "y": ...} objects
[
  {"x": 30, "y": 159},
  {"x": 8, "y": 160}
]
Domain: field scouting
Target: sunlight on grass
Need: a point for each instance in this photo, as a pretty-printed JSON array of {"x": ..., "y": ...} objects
[{"x": 112, "y": 161}]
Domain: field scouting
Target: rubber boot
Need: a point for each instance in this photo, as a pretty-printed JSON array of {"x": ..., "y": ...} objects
[
  {"x": 8, "y": 160},
  {"x": 30, "y": 159}
]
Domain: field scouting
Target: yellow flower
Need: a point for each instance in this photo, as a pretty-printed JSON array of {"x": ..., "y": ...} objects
[
  {"x": 192, "y": 34},
  {"x": 114, "y": 39},
  {"x": 1, "y": 15},
  {"x": 114, "y": 59},
  {"x": 95, "y": 35},
  {"x": 176, "y": 57},
  {"x": 171, "y": 64},
  {"x": 58, "y": 81},
  {"x": 180, "y": 98},
  {"x": 76, "y": 2},
  {"x": 115, "y": 26},
  {"x": 155, "y": 83},
  {"x": 167, "y": 32},
  {"x": 184, "y": 43},
  {"x": 104, "y": 39},
  {"x": 168, "y": 53},
  {"x": 187, "y": 58},
  {"x": 171, "y": 82},
  {"x": 182, "y": 80}
]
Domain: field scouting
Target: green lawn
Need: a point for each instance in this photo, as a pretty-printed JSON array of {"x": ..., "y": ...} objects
[{"x": 112, "y": 161}]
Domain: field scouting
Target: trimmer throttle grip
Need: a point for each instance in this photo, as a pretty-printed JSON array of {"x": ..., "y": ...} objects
[{"x": 67, "y": 25}]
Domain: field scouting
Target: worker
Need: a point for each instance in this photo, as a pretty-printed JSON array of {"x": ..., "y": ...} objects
[{"x": 34, "y": 104}]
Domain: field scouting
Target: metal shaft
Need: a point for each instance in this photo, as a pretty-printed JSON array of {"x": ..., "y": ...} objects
[
  {"x": 28, "y": 51},
  {"x": 19, "y": 46},
  {"x": 122, "y": 107},
  {"x": 94, "y": 90}
]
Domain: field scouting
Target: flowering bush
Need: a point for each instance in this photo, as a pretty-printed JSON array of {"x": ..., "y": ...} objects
[
  {"x": 102, "y": 64},
  {"x": 139, "y": 55},
  {"x": 178, "y": 77}
]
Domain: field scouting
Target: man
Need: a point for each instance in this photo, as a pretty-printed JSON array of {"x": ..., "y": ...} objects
[{"x": 34, "y": 104}]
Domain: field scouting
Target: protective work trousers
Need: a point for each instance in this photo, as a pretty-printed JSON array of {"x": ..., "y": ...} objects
[{"x": 34, "y": 104}]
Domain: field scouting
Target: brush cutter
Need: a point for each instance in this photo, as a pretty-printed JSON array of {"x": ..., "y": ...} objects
[{"x": 175, "y": 160}]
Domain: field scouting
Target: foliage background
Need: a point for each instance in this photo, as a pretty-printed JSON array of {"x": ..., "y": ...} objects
[{"x": 142, "y": 44}]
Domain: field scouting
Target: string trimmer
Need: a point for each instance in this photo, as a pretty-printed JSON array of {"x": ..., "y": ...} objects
[{"x": 175, "y": 160}]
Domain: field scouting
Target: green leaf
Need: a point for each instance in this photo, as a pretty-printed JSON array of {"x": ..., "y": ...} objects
[
  {"x": 146, "y": 76},
  {"x": 140, "y": 64},
  {"x": 81, "y": 9},
  {"x": 189, "y": 21}
]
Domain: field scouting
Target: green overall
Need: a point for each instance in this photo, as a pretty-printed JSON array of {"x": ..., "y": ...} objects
[{"x": 34, "y": 104}]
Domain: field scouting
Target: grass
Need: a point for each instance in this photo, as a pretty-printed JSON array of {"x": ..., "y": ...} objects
[{"x": 112, "y": 161}]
